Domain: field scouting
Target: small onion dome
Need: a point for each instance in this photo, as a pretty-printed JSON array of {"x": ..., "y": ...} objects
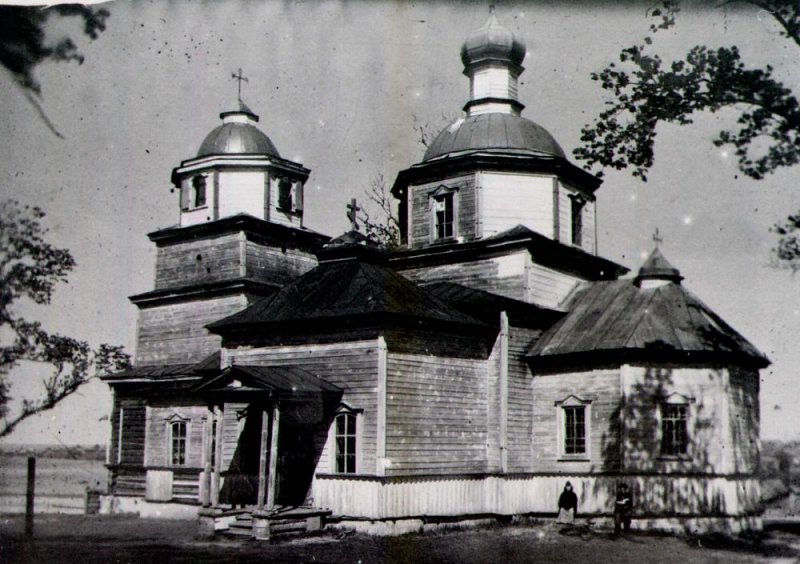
[
  {"x": 499, "y": 132},
  {"x": 492, "y": 42},
  {"x": 237, "y": 136},
  {"x": 656, "y": 267}
]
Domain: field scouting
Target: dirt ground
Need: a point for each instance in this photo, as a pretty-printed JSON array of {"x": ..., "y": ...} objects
[{"x": 120, "y": 539}]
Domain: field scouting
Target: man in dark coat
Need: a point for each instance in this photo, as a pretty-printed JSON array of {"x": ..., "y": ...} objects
[
  {"x": 623, "y": 507},
  {"x": 567, "y": 505}
]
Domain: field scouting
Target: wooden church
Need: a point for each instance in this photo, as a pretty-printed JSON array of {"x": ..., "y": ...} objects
[{"x": 467, "y": 375}]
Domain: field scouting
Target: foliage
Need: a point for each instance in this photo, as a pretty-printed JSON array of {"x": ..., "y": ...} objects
[
  {"x": 23, "y": 42},
  {"x": 30, "y": 268}
]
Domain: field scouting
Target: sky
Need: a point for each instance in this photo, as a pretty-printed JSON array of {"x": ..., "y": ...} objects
[{"x": 338, "y": 86}]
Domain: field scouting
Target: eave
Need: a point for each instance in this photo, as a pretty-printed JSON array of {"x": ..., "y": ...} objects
[{"x": 203, "y": 291}]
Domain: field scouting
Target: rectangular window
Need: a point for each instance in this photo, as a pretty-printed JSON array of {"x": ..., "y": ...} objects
[
  {"x": 285, "y": 194},
  {"x": 346, "y": 443},
  {"x": 177, "y": 441},
  {"x": 577, "y": 220},
  {"x": 199, "y": 191},
  {"x": 574, "y": 430},
  {"x": 444, "y": 218},
  {"x": 674, "y": 436}
]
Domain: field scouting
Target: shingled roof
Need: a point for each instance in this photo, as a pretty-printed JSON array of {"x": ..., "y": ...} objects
[
  {"x": 347, "y": 289},
  {"x": 646, "y": 322}
]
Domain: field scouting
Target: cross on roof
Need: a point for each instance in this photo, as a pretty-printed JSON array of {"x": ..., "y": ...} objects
[
  {"x": 657, "y": 238},
  {"x": 352, "y": 210},
  {"x": 241, "y": 78}
]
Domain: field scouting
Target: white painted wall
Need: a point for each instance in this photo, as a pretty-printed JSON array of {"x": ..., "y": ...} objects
[
  {"x": 512, "y": 199},
  {"x": 241, "y": 192},
  {"x": 547, "y": 287},
  {"x": 588, "y": 242}
]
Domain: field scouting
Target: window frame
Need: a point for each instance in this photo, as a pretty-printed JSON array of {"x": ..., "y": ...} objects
[
  {"x": 192, "y": 190},
  {"x": 171, "y": 423},
  {"x": 577, "y": 205},
  {"x": 441, "y": 195},
  {"x": 285, "y": 195},
  {"x": 684, "y": 403},
  {"x": 345, "y": 410},
  {"x": 573, "y": 402}
]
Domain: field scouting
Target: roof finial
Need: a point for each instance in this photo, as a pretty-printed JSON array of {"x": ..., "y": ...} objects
[
  {"x": 352, "y": 210},
  {"x": 657, "y": 238},
  {"x": 241, "y": 78}
]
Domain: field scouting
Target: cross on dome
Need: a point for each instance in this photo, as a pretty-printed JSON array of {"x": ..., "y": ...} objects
[
  {"x": 241, "y": 78},
  {"x": 352, "y": 210}
]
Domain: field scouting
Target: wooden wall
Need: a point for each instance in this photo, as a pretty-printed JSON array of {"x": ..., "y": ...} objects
[
  {"x": 588, "y": 239},
  {"x": 199, "y": 261},
  {"x": 504, "y": 275},
  {"x": 520, "y": 400},
  {"x": 547, "y": 287},
  {"x": 435, "y": 414},
  {"x": 420, "y": 217},
  {"x": 509, "y": 199},
  {"x": 743, "y": 416},
  {"x": 160, "y": 412},
  {"x": 602, "y": 387},
  {"x": 175, "y": 333},
  {"x": 276, "y": 265},
  {"x": 353, "y": 366},
  {"x": 241, "y": 191},
  {"x": 133, "y": 431}
]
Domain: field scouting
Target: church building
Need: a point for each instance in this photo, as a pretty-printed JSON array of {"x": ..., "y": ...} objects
[{"x": 283, "y": 379}]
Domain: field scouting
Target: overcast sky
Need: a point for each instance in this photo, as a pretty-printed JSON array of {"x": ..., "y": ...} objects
[{"x": 337, "y": 86}]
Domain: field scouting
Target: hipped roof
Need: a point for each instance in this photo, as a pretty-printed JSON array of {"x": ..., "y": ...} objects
[
  {"x": 663, "y": 321},
  {"x": 346, "y": 289}
]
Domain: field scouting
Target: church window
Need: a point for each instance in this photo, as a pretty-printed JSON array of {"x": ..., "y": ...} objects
[
  {"x": 199, "y": 191},
  {"x": 177, "y": 443},
  {"x": 674, "y": 432},
  {"x": 577, "y": 205},
  {"x": 444, "y": 216},
  {"x": 285, "y": 194},
  {"x": 346, "y": 443},
  {"x": 573, "y": 428}
]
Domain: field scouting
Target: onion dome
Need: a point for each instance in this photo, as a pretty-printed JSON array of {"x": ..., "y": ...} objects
[
  {"x": 237, "y": 136},
  {"x": 492, "y": 42},
  {"x": 500, "y": 132},
  {"x": 656, "y": 267}
]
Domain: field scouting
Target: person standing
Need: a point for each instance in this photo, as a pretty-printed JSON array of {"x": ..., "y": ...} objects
[
  {"x": 567, "y": 505},
  {"x": 623, "y": 508}
]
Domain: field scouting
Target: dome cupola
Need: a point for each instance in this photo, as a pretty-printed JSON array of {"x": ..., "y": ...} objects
[
  {"x": 492, "y": 42},
  {"x": 238, "y": 135},
  {"x": 657, "y": 271}
]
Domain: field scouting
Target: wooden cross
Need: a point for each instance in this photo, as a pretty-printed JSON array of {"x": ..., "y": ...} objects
[
  {"x": 657, "y": 238},
  {"x": 352, "y": 210},
  {"x": 241, "y": 78}
]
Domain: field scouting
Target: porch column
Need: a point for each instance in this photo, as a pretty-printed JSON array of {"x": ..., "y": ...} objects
[
  {"x": 215, "y": 477},
  {"x": 262, "y": 458},
  {"x": 273, "y": 455},
  {"x": 207, "y": 455}
]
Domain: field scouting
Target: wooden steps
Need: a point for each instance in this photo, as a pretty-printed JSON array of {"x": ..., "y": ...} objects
[{"x": 283, "y": 523}]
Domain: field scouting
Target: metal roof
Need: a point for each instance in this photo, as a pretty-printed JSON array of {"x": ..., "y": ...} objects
[
  {"x": 621, "y": 316},
  {"x": 237, "y": 138},
  {"x": 494, "y": 131}
]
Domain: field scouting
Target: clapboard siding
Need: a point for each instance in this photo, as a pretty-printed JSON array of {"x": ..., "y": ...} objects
[
  {"x": 175, "y": 333},
  {"x": 159, "y": 414},
  {"x": 435, "y": 414},
  {"x": 602, "y": 388},
  {"x": 466, "y": 208},
  {"x": 704, "y": 389},
  {"x": 565, "y": 219},
  {"x": 510, "y": 199},
  {"x": 505, "y": 275},
  {"x": 547, "y": 287},
  {"x": 276, "y": 265},
  {"x": 198, "y": 261},
  {"x": 743, "y": 416},
  {"x": 241, "y": 192},
  {"x": 520, "y": 400},
  {"x": 133, "y": 431},
  {"x": 352, "y": 366}
]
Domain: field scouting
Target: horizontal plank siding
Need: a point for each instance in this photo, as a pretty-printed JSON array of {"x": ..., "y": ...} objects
[
  {"x": 198, "y": 261},
  {"x": 274, "y": 264},
  {"x": 435, "y": 414},
  {"x": 520, "y": 400}
]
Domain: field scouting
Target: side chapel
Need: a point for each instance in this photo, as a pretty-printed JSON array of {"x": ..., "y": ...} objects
[{"x": 470, "y": 373}]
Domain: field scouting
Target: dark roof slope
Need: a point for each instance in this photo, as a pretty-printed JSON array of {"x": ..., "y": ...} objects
[
  {"x": 284, "y": 381},
  {"x": 620, "y": 316},
  {"x": 486, "y": 306},
  {"x": 347, "y": 288}
]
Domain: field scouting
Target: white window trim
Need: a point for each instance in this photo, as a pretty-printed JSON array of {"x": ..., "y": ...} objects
[
  {"x": 190, "y": 199},
  {"x": 439, "y": 192},
  {"x": 573, "y": 401},
  {"x": 358, "y": 413},
  {"x": 178, "y": 418},
  {"x": 675, "y": 398}
]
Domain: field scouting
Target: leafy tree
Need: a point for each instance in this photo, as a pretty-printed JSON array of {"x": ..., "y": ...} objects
[
  {"x": 647, "y": 91},
  {"x": 30, "y": 268},
  {"x": 23, "y": 43}
]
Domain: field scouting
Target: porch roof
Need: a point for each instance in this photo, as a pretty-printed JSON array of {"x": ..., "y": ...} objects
[{"x": 279, "y": 382}]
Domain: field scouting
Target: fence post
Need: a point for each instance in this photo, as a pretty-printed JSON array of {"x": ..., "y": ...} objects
[{"x": 29, "y": 496}]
